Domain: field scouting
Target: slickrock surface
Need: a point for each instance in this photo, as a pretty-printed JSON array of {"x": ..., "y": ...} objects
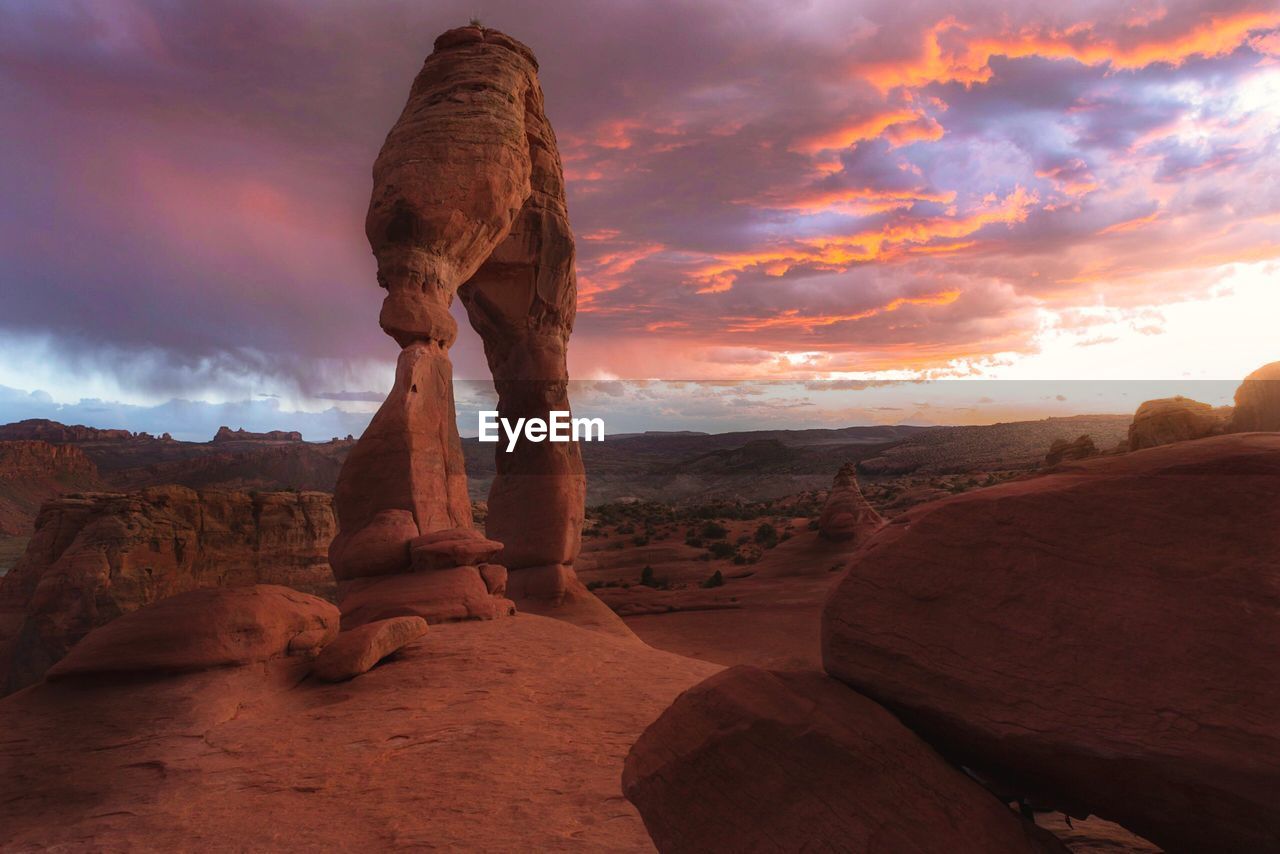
[
  {"x": 1258, "y": 401},
  {"x": 1175, "y": 419},
  {"x": 203, "y": 629},
  {"x": 756, "y": 760},
  {"x": 496, "y": 736},
  {"x": 847, "y": 517},
  {"x": 1102, "y": 639},
  {"x": 96, "y": 556},
  {"x": 355, "y": 652}
]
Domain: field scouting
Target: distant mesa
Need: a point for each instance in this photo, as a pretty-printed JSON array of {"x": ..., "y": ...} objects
[
  {"x": 226, "y": 434},
  {"x": 52, "y": 431}
]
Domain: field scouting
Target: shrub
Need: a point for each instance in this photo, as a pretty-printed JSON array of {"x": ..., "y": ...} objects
[
  {"x": 714, "y": 531},
  {"x": 722, "y": 549},
  {"x": 766, "y": 535},
  {"x": 716, "y": 580}
]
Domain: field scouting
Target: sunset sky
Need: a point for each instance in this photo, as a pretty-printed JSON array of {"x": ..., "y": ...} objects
[{"x": 841, "y": 191}]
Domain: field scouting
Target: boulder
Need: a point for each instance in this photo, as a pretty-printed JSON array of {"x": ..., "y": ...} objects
[
  {"x": 1102, "y": 639},
  {"x": 437, "y": 596},
  {"x": 96, "y": 556},
  {"x": 1175, "y": 419},
  {"x": 381, "y": 547},
  {"x": 356, "y": 651},
  {"x": 1062, "y": 450},
  {"x": 1258, "y": 401},
  {"x": 203, "y": 629},
  {"x": 756, "y": 760},
  {"x": 846, "y": 516},
  {"x": 451, "y": 547}
]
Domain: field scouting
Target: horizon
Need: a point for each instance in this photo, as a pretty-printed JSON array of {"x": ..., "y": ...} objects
[{"x": 867, "y": 195}]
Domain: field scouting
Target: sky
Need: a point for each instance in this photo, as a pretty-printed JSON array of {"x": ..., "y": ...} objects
[{"x": 767, "y": 197}]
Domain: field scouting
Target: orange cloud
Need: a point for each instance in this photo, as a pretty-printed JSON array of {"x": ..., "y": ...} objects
[
  {"x": 969, "y": 62},
  {"x": 1130, "y": 224},
  {"x": 792, "y": 318},
  {"x": 839, "y": 252},
  {"x": 869, "y": 128}
]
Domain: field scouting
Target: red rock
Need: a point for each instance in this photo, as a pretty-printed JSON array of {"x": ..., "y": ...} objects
[
  {"x": 409, "y": 461},
  {"x": 226, "y": 434},
  {"x": 556, "y": 591},
  {"x": 199, "y": 630},
  {"x": 1258, "y": 401},
  {"x": 755, "y": 760},
  {"x": 94, "y": 557},
  {"x": 356, "y": 651},
  {"x": 438, "y": 596},
  {"x": 469, "y": 199},
  {"x": 1080, "y": 448},
  {"x": 1103, "y": 638},
  {"x": 451, "y": 547},
  {"x": 1175, "y": 419},
  {"x": 381, "y": 547},
  {"x": 33, "y": 472},
  {"x": 846, "y": 516},
  {"x": 445, "y": 749},
  {"x": 495, "y": 578}
]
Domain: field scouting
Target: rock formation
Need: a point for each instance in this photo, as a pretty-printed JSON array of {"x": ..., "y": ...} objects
[
  {"x": 1062, "y": 450},
  {"x": 754, "y": 760},
  {"x": 1102, "y": 639},
  {"x": 203, "y": 629},
  {"x": 31, "y": 473},
  {"x": 506, "y": 735},
  {"x": 52, "y": 431},
  {"x": 226, "y": 434},
  {"x": 1175, "y": 419},
  {"x": 358, "y": 650},
  {"x": 96, "y": 556},
  {"x": 847, "y": 516},
  {"x": 1258, "y": 401},
  {"x": 468, "y": 198}
]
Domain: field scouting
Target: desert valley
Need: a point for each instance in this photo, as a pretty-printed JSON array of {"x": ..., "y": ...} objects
[{"x": 1046, "y": 634}]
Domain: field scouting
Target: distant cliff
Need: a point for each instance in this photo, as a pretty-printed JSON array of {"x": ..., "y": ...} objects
[
  {"x": 226, "y": 434},
  {"x": 32, "y": 472}
]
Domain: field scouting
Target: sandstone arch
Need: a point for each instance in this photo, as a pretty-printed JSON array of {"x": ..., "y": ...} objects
[{"x": 468, "y": 199}]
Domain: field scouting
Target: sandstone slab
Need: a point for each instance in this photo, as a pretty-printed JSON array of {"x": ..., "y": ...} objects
[
  {"x": 1102, "y": 639},
  {"x": 756, "y": 760},
  {"x": 437, "y": 596},
  {"x": 202, "y": 629},
  {"x": 354, "y": 652}
]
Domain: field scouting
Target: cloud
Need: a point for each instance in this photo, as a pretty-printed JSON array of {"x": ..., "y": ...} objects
[{"x": 758, "y": 189}]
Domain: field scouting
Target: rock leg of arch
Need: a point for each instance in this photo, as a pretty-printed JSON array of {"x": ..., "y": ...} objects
[{"x": 468, "y": 198}]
